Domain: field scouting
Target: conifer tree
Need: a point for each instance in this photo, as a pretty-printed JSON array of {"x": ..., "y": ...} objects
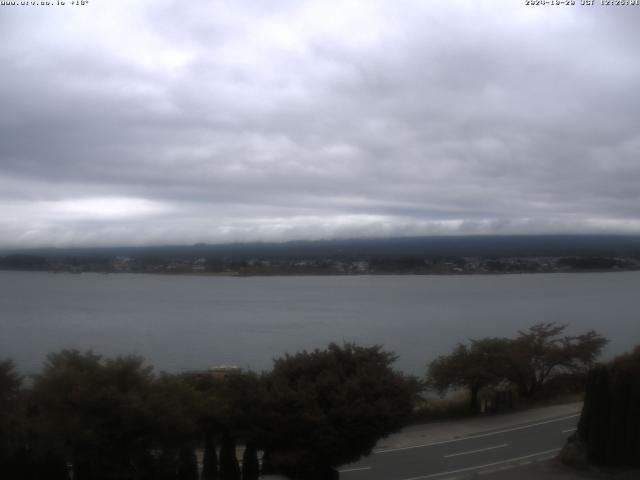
[
  {"x": 250, "y": 464},
  {"x": 187, "y": 465},
  {"x": 210, "y": 459},
  {"x": 229, "y": 468}
]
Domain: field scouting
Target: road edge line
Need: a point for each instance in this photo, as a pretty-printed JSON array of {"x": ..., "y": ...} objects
[
  {"x": 478, "y": 467},
  {"x": 480, "y": 435}
]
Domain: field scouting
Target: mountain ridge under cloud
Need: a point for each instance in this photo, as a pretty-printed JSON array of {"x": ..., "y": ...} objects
[{"x": 434, "y": 246}]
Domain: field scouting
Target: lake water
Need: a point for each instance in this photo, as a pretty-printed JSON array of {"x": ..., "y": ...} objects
[{"x": 182, "y": 322}]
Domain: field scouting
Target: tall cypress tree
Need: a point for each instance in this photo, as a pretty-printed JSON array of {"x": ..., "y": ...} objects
[
  {"x": 165, "y": 466},
  {"x": 595, "y": 412},
  {"x": 210, "y": 458},
  {"x": 267, "y": 466},
  {"x": 187, "y": 465},
  {"x": 229, "y": 468},
  {"x": 51, "y": 467},
  {"x": 250, "y": 464},
  {"x": 610, "y": 421}
]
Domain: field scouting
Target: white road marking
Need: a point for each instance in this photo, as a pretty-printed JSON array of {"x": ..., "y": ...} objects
[
  {"x": 478, "y": 467},
  {"x": 469, "y": 452},
  {"x": 514, "y": 465},
  {"x": 569, "y": 430},
  {"x": 481, "y": 435},
  {"x": 354, "y": 469},
  {"x": 496, "y": 469}
]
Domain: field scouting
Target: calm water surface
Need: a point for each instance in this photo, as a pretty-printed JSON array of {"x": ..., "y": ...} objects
[{"x": 180, "y": 322}]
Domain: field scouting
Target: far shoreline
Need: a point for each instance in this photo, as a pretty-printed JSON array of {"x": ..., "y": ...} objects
[{"x": 236, "y": 274}]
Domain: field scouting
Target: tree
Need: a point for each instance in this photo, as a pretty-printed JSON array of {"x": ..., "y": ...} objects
[
  {"x": 542, "y": 351},
  {"x": 528, "y": 361},
  {"x": 174, "y": 407},
  {"x": 230, "y": 408},
  {"x": 187, "y": 464},
  {"x": 250, "y": 464},
  {"x": 240, "y": 403},
  {"x": 111, "y": 417},
  {"x": 10, "y": 383},
  {"x": 229, "y": 468},
  {"x": 94, "y": 413},
  {"x": 609, "y": 427},
  {"x": 473, "y": 367},
  {"x": 12, "y": 422},
  {"x": 329, "y": 407},
  {"x": 209, "y": 458},
  {"x": 24, "y": 262}
]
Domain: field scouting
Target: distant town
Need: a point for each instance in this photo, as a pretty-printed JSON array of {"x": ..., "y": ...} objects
[
  {"x": 323, "y": 266},
  {"x": 411, "y": 256}
]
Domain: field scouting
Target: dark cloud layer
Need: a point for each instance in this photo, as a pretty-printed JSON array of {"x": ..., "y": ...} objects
[{"x": 162, "y": 121}]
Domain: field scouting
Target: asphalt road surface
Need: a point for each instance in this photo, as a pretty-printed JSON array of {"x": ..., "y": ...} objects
[{"x": 482, "y": 455}]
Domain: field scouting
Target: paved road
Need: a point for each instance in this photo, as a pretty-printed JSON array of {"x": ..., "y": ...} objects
[{"x": 487, "y": 454}]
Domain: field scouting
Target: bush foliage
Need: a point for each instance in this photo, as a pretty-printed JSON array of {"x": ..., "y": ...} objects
[{"x": 111, "y": 419}]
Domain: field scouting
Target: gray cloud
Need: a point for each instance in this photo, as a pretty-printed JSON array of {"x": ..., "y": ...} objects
[{"x": 170, "y": 122}]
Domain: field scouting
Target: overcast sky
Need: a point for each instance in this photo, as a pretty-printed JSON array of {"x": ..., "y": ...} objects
[{"x": 128, "y": 122}]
